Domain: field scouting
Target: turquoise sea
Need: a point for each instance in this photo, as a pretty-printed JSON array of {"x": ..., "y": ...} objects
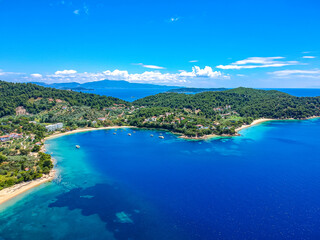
[{"x": 264, "y": 184}]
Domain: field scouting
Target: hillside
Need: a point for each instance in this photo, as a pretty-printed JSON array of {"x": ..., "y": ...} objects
[
  {"x": 245, "y": 101},
  {"x": 36, "y": 98}
]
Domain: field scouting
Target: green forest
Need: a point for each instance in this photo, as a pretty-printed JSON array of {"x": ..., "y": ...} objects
[
  {"x": 245, "y": 101},
  {"x": 30, "y": 95}
]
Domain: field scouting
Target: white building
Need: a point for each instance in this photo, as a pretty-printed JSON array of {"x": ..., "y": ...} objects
[{"x": 54, "y": 127}]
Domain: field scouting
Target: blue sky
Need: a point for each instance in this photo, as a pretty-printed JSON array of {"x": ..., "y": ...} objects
[{"x": 192, "y": 43}]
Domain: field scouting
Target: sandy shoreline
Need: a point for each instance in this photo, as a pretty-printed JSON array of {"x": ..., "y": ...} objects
[
  {"x": 11, "y": 192},
  {"x": 84, "y": 130},
  {"x": 255, "y": 122}
]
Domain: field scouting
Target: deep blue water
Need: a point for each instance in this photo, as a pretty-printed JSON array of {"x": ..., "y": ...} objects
[
  {"x": 128, "y": 94},
  {"x": 299, "y": 92},
  {"x": 264, "y": 184},
  {"x": 136, "y": 93}
]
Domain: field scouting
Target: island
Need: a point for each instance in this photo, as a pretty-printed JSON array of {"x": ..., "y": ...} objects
[{"x": 30, "y": 113}]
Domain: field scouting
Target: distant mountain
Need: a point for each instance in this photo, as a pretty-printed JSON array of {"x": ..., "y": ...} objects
[
  {"x": 195, "y": 90},
  {"x": 104, "y": 84}
]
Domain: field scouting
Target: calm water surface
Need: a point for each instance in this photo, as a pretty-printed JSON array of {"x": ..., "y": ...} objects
[
  {"x": 262, "y": 185},
  {"x": 129, "y": 94}
]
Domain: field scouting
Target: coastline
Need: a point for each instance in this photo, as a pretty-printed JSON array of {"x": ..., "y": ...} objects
[
  {"x": 206, "y": 137},
  {"x": 255, "y": 122},
  {"x": 83, "y": 130},
  {"x": 11, "y": 192}
]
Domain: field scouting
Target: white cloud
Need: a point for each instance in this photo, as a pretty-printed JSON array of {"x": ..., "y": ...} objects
[
  {"x": 2, "y": 73},
  {"x": 65, "y": 72},
  {"x": 149, "y": 66},
  {"x": 86, "y": 9},
  {"x": 193, "y": 61},
  {"x": 174, "y": 19},
  {"x": 153, "y": 67},
  {"x": 207, "y": 72},
  {"x": 156, "y": 77},
  {"x": 315, "y": 73},
  {"x": 36, "y": 75},
  {"x": 308, "y": 57},
  {"x": 258, "y": 62},
  {"x": 77, "y": 12}
]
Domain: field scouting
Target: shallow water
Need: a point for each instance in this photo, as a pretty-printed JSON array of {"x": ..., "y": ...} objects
[{"x": 262, "y": 185}]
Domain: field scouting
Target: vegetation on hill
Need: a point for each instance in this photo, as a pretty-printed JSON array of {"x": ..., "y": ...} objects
[
  {"x": 194, "y": 90},
  {"x": 22, "y": 132},
  {"x": 245, "y": 101},
  {"x": 36, "y": 98}
]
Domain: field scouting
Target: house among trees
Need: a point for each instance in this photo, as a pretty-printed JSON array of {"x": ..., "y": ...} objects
[
  {"x": 5, "y": 138},
  {"x": 21, "y": 111}
]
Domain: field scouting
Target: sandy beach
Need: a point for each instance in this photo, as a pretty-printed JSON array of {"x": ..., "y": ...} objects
[
  {"x": 255, "y": 122},
  {"x": 84, "y": 130},
  {"x": 11, "y": 192}
]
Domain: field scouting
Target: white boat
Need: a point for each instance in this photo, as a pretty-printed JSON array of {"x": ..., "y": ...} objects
[
  {"x": 77, "y": 146},
  {"x": 129, "y": 134},
  {"x": 162, "y": 137}
]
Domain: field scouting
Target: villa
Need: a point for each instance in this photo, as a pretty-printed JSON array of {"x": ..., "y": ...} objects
[
  {"x": 54, "y": 127},
  {"x": 5, "y": 138}
]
